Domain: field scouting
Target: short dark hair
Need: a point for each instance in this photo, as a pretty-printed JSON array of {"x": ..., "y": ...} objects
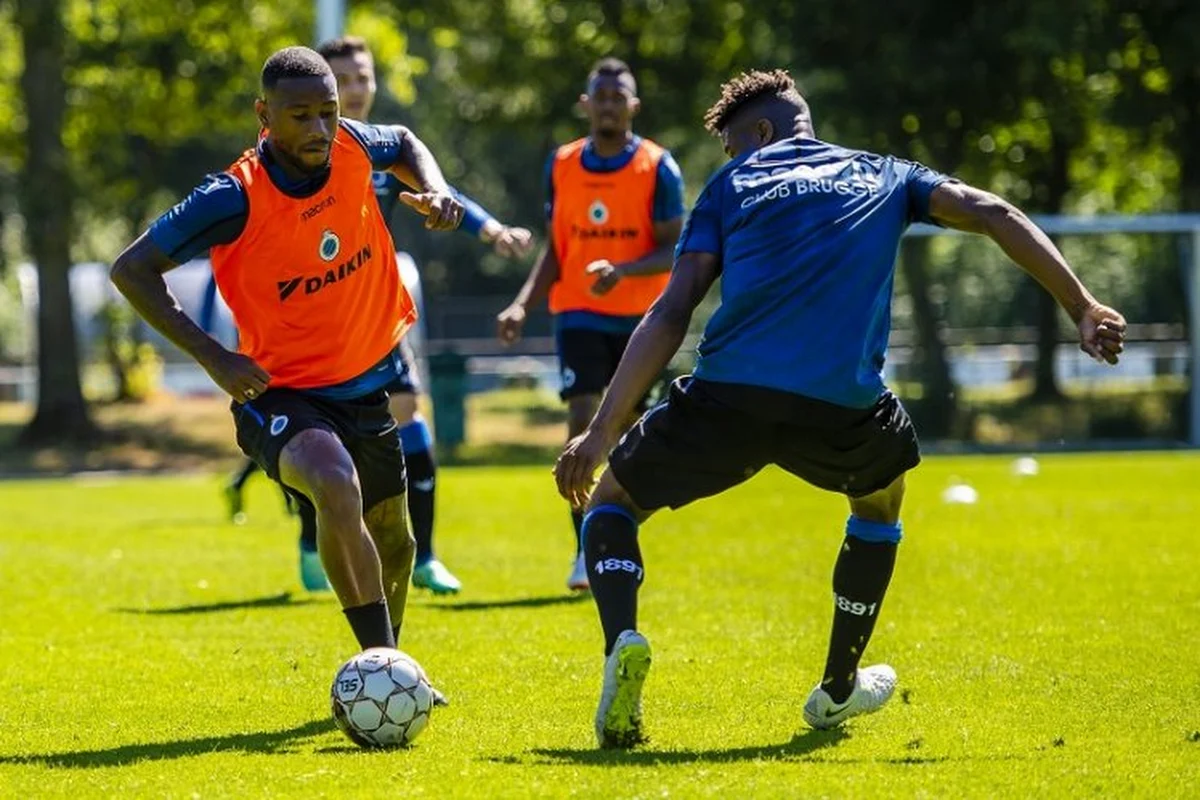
[
  {"x": 744, "y": 89},
  {"x": 343, "y": 47},
  {"x": 293, "y": 62},
  {"x": 613, "y": 68}
]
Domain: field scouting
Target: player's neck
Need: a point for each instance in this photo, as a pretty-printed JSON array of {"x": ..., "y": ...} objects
[
  {"x": 294, "y": 173},
  {"x": 607, "y": 146}
]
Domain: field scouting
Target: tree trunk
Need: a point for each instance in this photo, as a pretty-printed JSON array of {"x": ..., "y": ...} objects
[
  {"x": 62, "y": 415},
  {"x": 1045, "y": 377},
  {"x": 939, "y": 403}
]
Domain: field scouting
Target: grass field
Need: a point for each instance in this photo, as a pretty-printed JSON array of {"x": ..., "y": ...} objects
[{"x": 1046, "y": 640}]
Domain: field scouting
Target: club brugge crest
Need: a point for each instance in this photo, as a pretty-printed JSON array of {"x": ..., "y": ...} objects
[
  {"x": 330, "y": 245},
  {"x": 597, "y": 213}
]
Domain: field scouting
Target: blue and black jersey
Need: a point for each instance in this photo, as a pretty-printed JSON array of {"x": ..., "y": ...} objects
[{"x": 807, "y": 234}]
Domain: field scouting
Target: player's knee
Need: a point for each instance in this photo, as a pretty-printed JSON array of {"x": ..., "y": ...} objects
[
  {"x": 882, "y": 506},
  {"x": 335, "y": 488},
  {"x": 609, "y": 492}
]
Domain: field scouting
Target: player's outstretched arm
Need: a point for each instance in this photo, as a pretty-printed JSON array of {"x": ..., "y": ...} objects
[
  {"x": 966, "y": 208},
  {"x": 511, "y": 321},
  {"x": 654, "y": 342},
  {"x": 434, "y": 199},
  {"x": 138, "y": 274}
]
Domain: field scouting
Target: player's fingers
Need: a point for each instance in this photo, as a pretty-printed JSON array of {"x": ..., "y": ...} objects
[
  {"x": 562, "y": 471},
  {"x": 1091, "y": 349},
  {"x": 433, "y": 219},
  {"x": 596, "y": 266},
  {"x": 261, "y": 374},
  {"x": 522, "y": 241},
  {"x": 417, "y": 202},
  {"x": 451, "y": 214}
]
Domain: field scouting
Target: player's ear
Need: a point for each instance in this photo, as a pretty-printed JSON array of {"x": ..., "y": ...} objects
[
  {"x": 765, "y": 130},
  {"x": 260, "y": 111},
  {"x": 584, "y": 105},
  {"x": 635, "y": 105}
]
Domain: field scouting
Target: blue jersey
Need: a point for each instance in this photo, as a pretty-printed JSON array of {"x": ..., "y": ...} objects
[
  {"x": 668, "y": 205},
  {"x": 807, "y": 234}
]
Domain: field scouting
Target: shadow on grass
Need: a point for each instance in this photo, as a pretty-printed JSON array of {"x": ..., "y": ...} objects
[
  {"x": 270, "y": 601},
  {"x": 797, "y": 749},
  {"x": 804, "y": 746},
  {"x": 518, "y": 602},
  {"x": 121, "y": 755}
]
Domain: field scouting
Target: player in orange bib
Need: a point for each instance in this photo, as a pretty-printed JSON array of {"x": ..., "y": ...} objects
[
  {"x": 304, "y": 260},
  {"x": 614, "y": 210}
]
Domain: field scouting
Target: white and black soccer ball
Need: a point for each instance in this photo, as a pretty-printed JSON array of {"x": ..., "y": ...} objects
[{"x": 381, "y": 698}]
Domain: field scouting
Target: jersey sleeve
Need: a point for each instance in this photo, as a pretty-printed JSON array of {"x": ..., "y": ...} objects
[
  {"x": 702, "y": 232},
  {"x": 382, "y": 142},
  {"x": 919, "y": 183},
  {"x": 668, "y": 190},
  {"x": 475, "y": 216},
  {"x": 213, "y": 213}
]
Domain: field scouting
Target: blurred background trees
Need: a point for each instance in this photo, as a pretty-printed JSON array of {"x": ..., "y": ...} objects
[{"x": 117, "y": 108}]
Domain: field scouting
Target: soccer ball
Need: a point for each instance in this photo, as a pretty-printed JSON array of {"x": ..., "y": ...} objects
[{"x": 381, "y": 698}]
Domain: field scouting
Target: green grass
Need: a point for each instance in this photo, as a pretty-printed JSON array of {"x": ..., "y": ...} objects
[{"x": 1046, "y": 641}]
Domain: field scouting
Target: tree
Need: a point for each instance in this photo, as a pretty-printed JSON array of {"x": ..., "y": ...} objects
[{"x": 62, "y": 415}]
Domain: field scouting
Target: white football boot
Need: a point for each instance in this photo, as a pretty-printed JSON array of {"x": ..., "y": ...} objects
[
  {"x": 619, "y": 715},
  {"x": 873, "y": 686}
]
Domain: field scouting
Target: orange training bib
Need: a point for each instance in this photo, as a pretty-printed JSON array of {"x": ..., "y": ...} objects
[
  {"x": 603, "y": 215},
  {"x": 312, "y": 282}
]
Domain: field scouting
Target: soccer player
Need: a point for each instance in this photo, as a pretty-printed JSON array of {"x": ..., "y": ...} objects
[
  {"x": 614, "y": 209},
  {"x": 803, "y": 235},
  {"x": 303, "y": 258},
  {"x": 354, "y": 69}
]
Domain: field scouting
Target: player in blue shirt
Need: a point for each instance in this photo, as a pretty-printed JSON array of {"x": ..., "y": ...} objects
[
  {"x": 354, "y": 68},
  {"x": 803, "y": 235}
]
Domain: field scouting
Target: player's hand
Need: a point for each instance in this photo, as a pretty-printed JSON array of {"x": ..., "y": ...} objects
[
  {"x": 442, "y": 210},
  {"x": 1102, "y": 333},
  {"x": 510, "y": 322},
  {"x": 575, "y": 470},
  {"x": 512, "y": 242},
  {"x": 237, "y": 375},
  {"x": 607, "y": 275}
]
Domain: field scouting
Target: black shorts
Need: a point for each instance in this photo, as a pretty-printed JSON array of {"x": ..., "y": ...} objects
[
  {"x": 363, "y": 425},
  {"x": 708, "y": 437},
  {"x": 408, "y": 381},
  {"x": 588, "y": 359}
]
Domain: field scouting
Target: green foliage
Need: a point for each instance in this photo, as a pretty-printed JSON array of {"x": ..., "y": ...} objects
[
  {"x": 1029, "y": 631},
  {"x": 14, "y": 345},
  {"x": 135, "y": 365}
]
